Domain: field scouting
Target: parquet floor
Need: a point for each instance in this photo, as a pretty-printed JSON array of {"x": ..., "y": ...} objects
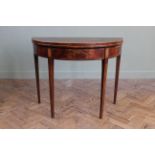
[{"x": 77, "y": 104}]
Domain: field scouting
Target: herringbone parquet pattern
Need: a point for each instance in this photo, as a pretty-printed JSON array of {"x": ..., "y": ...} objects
[{"x": 77, "y": 104}]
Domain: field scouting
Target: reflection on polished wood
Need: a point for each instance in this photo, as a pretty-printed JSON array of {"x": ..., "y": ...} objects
[{"x": 77, "y": 103}]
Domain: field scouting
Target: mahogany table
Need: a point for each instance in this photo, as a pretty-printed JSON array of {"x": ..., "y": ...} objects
[{"x": 78, "y": 49}]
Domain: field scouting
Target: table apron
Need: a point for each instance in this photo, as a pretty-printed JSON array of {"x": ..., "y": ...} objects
[{"x": 78, "y": 54}]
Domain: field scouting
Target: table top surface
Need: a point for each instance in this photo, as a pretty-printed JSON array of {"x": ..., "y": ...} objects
[{"x": 78, "y": 42}]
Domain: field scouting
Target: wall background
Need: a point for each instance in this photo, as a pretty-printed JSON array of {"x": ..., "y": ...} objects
[{"x": 16, "y": 52}]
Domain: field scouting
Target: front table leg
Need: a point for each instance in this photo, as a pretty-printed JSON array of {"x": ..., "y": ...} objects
[
  {"x": 51, "y": 82},
  {"x": 118, "y": 60},
  {"x": 37, "y": 76},
  {"x": 103, "y": 85}
]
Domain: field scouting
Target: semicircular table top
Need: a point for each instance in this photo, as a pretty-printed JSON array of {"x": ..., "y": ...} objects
[{"x": 78, "y": 42}]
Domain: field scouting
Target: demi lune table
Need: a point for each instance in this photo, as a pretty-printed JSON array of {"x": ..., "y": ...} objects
[{"x": 78, "y": 49}]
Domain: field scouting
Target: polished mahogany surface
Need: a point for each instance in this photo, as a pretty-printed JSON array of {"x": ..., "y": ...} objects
[
  {"x": 78, "y": 48},
  {"x": 78, "y": 42}
]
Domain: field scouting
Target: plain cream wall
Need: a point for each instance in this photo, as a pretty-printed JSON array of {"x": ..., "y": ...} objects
[{"x": 16, "y": 52}]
